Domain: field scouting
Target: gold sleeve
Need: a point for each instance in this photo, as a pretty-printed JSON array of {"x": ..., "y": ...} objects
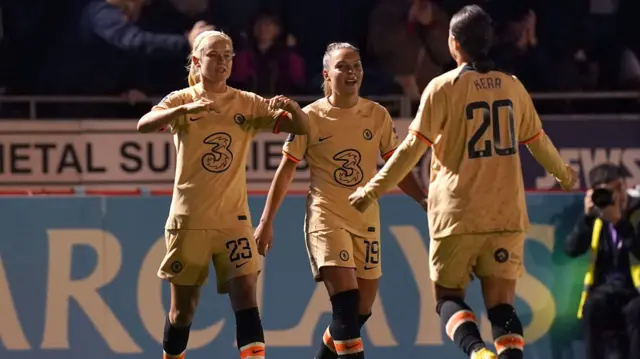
[
  {"x": 547, "y": 155},
  {"x": 402, "y": 161}
]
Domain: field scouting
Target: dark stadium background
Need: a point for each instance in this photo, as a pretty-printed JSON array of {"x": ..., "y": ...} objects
[{"x": 75, "y": 75}]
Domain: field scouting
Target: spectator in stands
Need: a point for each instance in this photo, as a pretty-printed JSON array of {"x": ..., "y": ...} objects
[
  {"x": 409, "y": 38},
  {"x": 236, "y": 16},
  {"x": 518, "y": 51},
  {"x": 269, "y": 65},
  {"x": 106, "y": 51},
  {"x": 183, "y": 14},
  {"x": 601, "y": 37}
]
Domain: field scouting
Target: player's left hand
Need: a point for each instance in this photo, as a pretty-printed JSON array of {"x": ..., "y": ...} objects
[
  {"x": 264, "y": 237},
  {"x": 281, "y": 102},
  {"x": 359, "y": 199},
  {"x": 572, "y": 178}
]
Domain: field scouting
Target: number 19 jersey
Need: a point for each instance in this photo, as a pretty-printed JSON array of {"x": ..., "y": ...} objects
[
  {"x": 342, "y": 152},
  {"x": 474, "y": 122}
]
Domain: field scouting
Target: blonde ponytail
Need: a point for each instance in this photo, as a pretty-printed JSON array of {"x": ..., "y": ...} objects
[
  {"x": 326, "y": 88},
  {"x": 194, "y": 76}
]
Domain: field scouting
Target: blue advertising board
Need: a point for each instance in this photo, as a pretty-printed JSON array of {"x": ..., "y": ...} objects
[{"x": 78, "y": 280}]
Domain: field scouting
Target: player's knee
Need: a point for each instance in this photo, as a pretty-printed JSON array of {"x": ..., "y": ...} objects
[
  {"x": 184, "y": 300},
  {"x": 181, "y": 317},
  {"x": 442, "y": 292},
  {"x": 368, "y": 292},
  {"x": 242, "y": 292},
  {"x": 507, "y": 330},
  {"x": 338, "y": 279},
  {"x": 497, "y": 291},
  {"x": 364, "y": 309},
  {"x": 345, "y": 323}
]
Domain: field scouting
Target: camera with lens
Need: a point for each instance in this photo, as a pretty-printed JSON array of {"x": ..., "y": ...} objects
[{"x": 602, "y": 197}]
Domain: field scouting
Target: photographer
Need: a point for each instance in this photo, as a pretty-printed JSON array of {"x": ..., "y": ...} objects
[{"x": 609, "y": 229}]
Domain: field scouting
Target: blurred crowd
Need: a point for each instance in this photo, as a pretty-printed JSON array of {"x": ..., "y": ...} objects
[{"x": 138, "y": 48}]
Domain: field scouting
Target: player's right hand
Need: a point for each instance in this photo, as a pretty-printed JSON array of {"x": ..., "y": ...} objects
[
  {"x": 198, "y": 106},
  {"x": 264, "y": 237},
  {"x": 359, "y": 199},
  {"x": 571, "y": 180},
  {"x": 282, "y": 102}
]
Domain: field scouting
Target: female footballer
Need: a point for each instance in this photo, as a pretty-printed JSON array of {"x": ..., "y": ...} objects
[
  {"x": 347, "y": 134},
  {"x": 212, "y": 126}
]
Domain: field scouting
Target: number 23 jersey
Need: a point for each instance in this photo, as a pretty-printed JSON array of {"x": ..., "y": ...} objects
[
  {"x": 210, "y": 188},
  {"x": 342, "y": 152}
]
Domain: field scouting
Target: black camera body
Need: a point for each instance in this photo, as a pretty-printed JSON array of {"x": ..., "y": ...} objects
[{"x": 602, "y": 197}]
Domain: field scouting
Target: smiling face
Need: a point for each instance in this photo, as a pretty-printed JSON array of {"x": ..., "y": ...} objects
[{"x": 343, "y": 73}]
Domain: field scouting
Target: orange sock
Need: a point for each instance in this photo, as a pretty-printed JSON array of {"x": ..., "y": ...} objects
[
  {"x": 167, "y": 356},
  {"x": 328, "y": 341},
  {"x": 348, "y": 347},
  {"x": 252, "y": 351}
]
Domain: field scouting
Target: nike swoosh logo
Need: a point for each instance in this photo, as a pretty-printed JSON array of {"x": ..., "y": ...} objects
[
  {"x": 257, "y": 351},
  {"x": 351, "y": 346},
  {"x": 194, "y": 119},
  {"x": 368, "y": 268},
  {"x": 241, "y": 264},
  {"x": 324, "y": 138}
]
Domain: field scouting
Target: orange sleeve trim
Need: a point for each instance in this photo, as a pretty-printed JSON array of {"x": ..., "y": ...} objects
[
  {"x": 276, "y": 127},
  {"x": 290, "y": 157},
  {"x": 538, "y": 135},
  {"x": 386, "y": 156},
  {"x": 422, "y": 137}
]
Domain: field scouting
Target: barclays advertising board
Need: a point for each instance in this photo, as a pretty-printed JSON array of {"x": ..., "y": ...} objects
[{"x": 77, "y": 280}]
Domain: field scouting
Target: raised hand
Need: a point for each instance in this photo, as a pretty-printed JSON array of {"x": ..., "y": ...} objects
[
  {"x": 200, "y": 105},
  {"x": 281, "y": 102}
]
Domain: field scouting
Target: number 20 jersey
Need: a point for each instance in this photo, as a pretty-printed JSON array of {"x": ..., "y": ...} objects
[
  {"x": 475, "y": 122},
  {"x": 342, "y": 151}
]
